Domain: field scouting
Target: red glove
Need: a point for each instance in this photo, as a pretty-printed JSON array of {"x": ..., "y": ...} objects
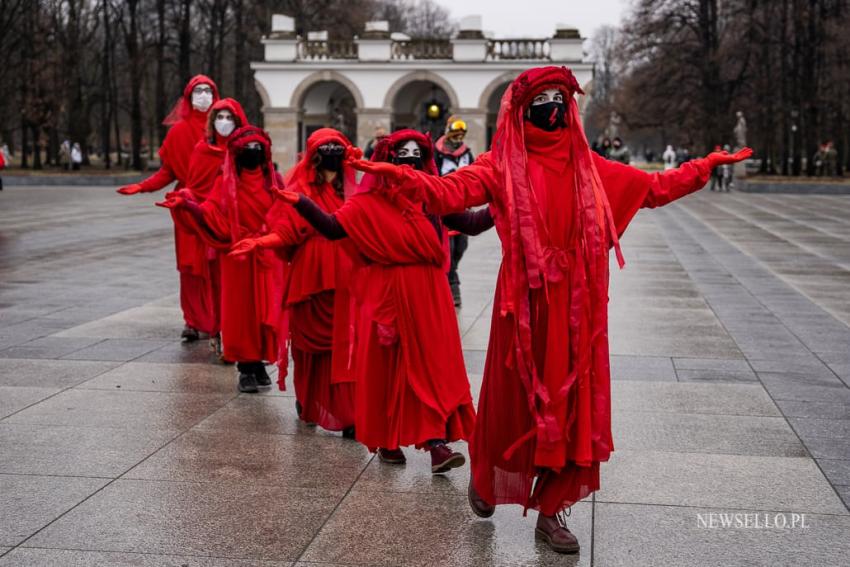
[
  {"x": 722, "y": 158},
  {"x": 288, "y": 196},
  {"x": 172, "y": 202},
  {"x": 389, "y": 171},
  {"x": 131, "y": 189},
  {"x": 246, "y": 245},
  {"x": 353, "y": 153}
]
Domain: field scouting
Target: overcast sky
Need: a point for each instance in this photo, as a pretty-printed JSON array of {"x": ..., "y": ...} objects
[{"x": 537, "y": 18}]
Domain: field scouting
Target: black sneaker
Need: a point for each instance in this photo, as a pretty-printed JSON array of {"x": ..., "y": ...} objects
[
  {"x": 348, "y": 433},
  {"x": 189, "y": 334},
  {"x": 248, "y": 383},
  {"x": 262, "y": 376}
]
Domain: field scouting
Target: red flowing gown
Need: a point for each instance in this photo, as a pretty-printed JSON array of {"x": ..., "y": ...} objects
[
  {"x": 512, "y": 463},
  {"x": 252, "y": 284},
  {"x": 317, "y": 303},
  {"x": 411, "y": 380},
  {"x": 205, "y": 166},
  {"x": 196, "y": 299}
]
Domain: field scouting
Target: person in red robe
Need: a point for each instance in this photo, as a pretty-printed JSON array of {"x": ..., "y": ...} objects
[
  {"x": 205, "y": 164},
  {"x": 238, "y": 207},
  {"x": 188, "y": 121},
  {"x": 411, "y": 382},
  {"x": 316, "y": 294},
  {"x": 544, "y": 412}
]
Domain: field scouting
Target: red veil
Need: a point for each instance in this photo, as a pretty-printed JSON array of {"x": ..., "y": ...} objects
[
  {"x": 387, "y": 148},
  {"x": 230, "y": 174},
  {"x": 301, "y": 176}
]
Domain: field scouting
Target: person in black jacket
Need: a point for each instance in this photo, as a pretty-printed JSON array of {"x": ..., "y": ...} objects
[{"x": 451, "y": 154}]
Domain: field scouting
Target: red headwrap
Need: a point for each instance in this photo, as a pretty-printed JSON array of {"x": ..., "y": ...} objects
[
  {"x": 183, "y": 108},
  {"x": 230, "y": 174},
  {"x": 302, "y": 176},
  {"x": 387, "y": 149},
  {"x": 235, "y": 109},
  {"x": 527, "y": 265}
]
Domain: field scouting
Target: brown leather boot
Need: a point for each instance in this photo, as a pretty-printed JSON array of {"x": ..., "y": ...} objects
[
  {"x": 444, "y": 459},
  {"x": 479, "y": 506},
  {"x": 553, "y": 530},
  {"x": 392, "y": 456}
]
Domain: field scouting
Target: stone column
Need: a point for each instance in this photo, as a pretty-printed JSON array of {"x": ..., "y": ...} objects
[
  {"x": 282, "y": 126},
  {"x": 476, "y": 125},
  {"x": 367, "y": 120}
]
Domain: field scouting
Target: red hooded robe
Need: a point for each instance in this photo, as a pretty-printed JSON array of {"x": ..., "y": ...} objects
[
  {"x": 316, "y": 295},
  {"x": 237, "y": 207},
  {"x": 411, "y": 381},
  {"x": 187, "y": 129},
  {"x": 544, "y": 412},
  {"x": 205, "y": 166}
]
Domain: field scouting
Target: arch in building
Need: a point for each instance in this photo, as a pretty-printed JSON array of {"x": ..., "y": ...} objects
[
  {"x": 326, "y": 99},
  {"x": 264, "y": 94},
  {"x": 491, "y": 99},
  {"x": 325, "y": 76},
  {"x": 410, "y": 97},
  {"x": 420, "y": 76}
]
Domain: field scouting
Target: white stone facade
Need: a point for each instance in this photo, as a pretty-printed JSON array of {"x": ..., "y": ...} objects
[{"x": 387, "y": 80}]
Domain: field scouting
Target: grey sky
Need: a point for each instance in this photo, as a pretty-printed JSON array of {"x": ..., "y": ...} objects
[{"x": 537, "y": 18}]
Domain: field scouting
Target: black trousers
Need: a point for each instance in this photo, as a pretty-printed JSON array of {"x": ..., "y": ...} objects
[{"x": 457, "y": 246}]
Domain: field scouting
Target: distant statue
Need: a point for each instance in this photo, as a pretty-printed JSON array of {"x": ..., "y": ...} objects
[
  {"x": 613, "y": 129},
  {"x": 740, "y": 130},
  {"x": 338, "y": 120}
]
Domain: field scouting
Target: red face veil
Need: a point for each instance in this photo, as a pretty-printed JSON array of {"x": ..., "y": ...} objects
[{"x": 183, "y": 108}]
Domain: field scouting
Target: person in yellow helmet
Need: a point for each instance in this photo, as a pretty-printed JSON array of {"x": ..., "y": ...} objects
[{"x": 451, "y": 153}]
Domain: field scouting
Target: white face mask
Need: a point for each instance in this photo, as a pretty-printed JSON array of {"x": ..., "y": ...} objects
[
  {"x": 202, "y": 101},
  {"x": 224, "y": 126}
]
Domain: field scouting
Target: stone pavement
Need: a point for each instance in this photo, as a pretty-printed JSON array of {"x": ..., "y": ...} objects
[{"x": 120, "y": 446}]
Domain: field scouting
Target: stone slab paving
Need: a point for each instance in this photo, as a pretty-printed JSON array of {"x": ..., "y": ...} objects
[{"x": 119, "y": 446}]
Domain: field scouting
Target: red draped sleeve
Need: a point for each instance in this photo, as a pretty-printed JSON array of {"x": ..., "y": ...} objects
[
  {"x": 629, "y": 189},
  {"x": 466, "y": 187}
]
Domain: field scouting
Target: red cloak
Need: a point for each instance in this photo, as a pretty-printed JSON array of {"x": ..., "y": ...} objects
[
  {"x": 544, "y": 412},
  {"x": 316, "y": 296},
  {"x": 205, "y": 166},
  {"x": 411, "y": 380},
  {"x": 188, "y": 127},
  {"x": 237, "y": 208}
]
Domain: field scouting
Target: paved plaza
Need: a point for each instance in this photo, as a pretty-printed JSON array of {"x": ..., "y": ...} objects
[{"x": 119, "y": 446}]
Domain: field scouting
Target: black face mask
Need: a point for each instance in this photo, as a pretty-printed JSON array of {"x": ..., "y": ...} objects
[
  {"x": 250, "y": 158},
  {"x": 414, "y": 161},
  {"x": 548, "y": 116},
  {"x": 330, "y": 162}
]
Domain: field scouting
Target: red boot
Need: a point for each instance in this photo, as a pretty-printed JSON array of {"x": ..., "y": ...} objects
[
  {"x": 444, "y": 459},
  {"x": 553, "y": 530}
]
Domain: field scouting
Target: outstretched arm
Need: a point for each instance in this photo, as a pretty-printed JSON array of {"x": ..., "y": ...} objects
[
  {"x": 629, "y": 189},
  {"x": 202, "y": 219},
  {"x": 469, "y": 186},
  {"x": 470, "y": 222},
  {"x": 155, "y": 182},
  {"x": 325, "y": 224}
]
